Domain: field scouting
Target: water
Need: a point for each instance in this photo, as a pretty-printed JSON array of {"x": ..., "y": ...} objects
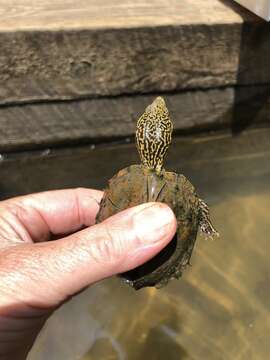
[{"x": 220, "y": 308}]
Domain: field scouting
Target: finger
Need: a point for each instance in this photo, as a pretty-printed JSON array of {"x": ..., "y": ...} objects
[
  {"x": 35, "y": 217},
  {"x": 46, "y": 274}
]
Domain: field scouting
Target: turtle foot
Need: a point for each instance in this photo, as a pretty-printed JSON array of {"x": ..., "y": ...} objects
[{"x": 205, "y": 224}]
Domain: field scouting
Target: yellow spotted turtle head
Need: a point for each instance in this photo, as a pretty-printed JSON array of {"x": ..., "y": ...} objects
[{"x": 154, "y": 135}]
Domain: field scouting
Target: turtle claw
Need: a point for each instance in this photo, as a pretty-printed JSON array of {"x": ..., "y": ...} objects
[{"x": 208, "y": 230}]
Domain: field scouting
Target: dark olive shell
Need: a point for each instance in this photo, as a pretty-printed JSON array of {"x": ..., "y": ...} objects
[{"x": 135, "y": 185}]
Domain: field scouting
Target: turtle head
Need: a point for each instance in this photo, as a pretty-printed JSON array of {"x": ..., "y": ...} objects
[{"x": 154, "y": 134}]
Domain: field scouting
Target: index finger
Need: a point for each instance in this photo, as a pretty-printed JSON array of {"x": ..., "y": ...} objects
[{"x": 36, "y": 217}]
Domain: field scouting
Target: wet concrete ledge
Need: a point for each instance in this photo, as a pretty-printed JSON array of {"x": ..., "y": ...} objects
[
  {"x": 66, "y": 123},
  {"x": 235, "y": 159}
]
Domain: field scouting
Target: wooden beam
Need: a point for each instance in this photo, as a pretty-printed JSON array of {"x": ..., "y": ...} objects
[
  {"x": 31, "y": 126},
  {"x": 55, "y": 50}
]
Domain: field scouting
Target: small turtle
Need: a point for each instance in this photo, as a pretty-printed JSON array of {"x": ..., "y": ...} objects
[{"x": 149, "y": 181}]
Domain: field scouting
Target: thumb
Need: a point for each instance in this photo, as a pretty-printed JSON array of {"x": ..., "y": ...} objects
[{"x": 45, "y": 274}]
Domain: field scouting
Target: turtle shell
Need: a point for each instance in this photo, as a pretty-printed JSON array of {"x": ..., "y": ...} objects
[{"x": 137, "y": 184}]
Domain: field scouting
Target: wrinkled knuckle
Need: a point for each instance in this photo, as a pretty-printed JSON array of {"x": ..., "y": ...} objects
[
  {"x": 109, "y": 248},
  {"x": 10, "y": 207},
  {"x": 10, "y": 225}
]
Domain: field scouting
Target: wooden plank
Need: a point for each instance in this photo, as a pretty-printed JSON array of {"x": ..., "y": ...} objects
[
  {"x": 49, "y": 124},
  {"x": 59, "y": 14},
  {"x": 66, "y": 49},
  {"x": 90, "y": 166}
]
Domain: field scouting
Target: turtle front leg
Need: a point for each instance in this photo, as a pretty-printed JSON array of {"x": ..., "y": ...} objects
[{"x": 204, "y": 220}]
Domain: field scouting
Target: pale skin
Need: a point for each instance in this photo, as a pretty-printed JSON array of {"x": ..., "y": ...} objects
[{"x": 39, "y": 273}]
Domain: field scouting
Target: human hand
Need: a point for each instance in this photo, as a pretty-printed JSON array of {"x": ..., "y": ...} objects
[{"x": 38, "y": 275}]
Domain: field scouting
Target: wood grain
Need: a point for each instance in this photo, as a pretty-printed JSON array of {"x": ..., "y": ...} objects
[
  {"x": 91, "y": 120},
  {"x": 65, "y": 49},
  {"x": 59, "y": 14}
]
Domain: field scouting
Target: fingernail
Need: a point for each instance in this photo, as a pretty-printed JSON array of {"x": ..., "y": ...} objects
[{"x": 153, "y": 223}]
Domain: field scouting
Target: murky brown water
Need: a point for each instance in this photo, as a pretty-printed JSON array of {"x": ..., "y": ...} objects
[{"x": 220, "y": 309}]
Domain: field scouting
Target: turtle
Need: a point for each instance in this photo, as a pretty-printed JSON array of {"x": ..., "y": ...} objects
[{"x": 150, "y": 182}]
